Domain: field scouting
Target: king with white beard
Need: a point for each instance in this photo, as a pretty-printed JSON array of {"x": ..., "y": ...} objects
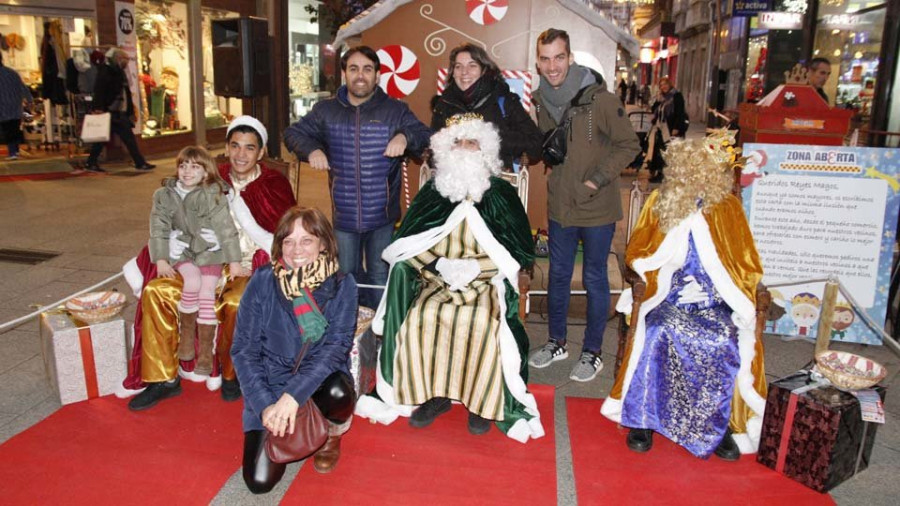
[{"x": 448, "y": 318}]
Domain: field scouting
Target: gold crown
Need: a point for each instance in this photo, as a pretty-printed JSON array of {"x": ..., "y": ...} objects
[
  {"x": 806, "y": 298},
  {"x": 843, "y": 306},
  {"x": 720, "y": 143},
  {"x": 797, "y": 75},
  {"x": 458, "y": 119}
]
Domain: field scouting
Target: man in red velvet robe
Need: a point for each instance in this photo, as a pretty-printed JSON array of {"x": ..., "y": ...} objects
[{"x": 259, "y": 196}]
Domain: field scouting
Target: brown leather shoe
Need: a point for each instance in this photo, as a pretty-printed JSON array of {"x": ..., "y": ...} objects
[{"x": 326, "y": 458}]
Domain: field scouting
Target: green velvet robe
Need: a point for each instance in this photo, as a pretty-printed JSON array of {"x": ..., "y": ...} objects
[{"x": 502, "y": 212}]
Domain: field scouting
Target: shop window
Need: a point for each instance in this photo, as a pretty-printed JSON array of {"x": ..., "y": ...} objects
[
  {"x": 217, "y": 111},
  {"x": 757, "y": 52},
  {"x": 851, "y": 40},
  {"x": 59, "y": 106},
  {"x": 306, "y": 59},
  {"x": 162, "y": 35}
]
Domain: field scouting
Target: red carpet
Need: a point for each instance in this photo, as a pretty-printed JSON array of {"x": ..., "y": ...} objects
[
  {"x": 42, "y": 177},
  {"x": 607, "y": 472},
  {"x": 440, "y": 464},
  {"x": 98, "y": 452}
]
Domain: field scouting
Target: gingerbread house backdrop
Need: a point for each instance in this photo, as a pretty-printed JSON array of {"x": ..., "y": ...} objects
[{"x": 414, "y": 39}]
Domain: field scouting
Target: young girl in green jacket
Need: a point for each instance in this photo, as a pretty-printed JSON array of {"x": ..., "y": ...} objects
[{"x": 191, "y": 201}]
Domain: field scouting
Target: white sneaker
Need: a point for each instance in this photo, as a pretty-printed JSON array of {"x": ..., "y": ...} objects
[
  {"x": 551, "y": 352},
  {"x": 587, "y": 368}
]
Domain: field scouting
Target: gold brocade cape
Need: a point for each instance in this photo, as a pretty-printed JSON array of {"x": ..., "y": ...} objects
[{"x": 726, "y": 249}]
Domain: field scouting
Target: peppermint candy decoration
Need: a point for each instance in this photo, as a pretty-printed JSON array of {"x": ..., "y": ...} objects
[
  {"x": 399, "y": 70},
  {"x": 486, "y": 12}
]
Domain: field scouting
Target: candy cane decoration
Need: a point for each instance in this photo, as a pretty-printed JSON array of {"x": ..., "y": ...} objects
[
  {"x": 399, "y": 70},
  {"x": 486, "y": 12},
  {"x": 405, "y": 172},
  {"x": 443, "y": 75}
]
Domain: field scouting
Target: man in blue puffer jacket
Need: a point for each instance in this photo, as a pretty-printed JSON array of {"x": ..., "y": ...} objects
[{"x": 360, "y": 137}]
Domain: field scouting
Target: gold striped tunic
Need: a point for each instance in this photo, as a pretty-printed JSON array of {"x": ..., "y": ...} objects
[{"x": 448, "y": 345}]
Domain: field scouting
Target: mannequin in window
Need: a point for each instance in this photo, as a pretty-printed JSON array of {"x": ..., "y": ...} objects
[
  {"x": 81, "y": 56},
  {"x": 169, "y": 81},
  {"x": 53, "y": 64}
]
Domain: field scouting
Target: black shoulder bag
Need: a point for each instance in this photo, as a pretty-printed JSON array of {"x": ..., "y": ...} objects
[{"x": 555, "y": 145}]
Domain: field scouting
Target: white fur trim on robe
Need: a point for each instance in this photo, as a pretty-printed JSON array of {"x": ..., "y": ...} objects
[
  {"x": 408, "y": 247},
  {"x": 667, "y": 259},
  {"x": 260, "y": 236},
  {"x": 133, "y": 276}
]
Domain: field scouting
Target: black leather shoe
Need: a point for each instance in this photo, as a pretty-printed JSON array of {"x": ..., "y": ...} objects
[
  {"x": 728, "y": 449},
  {"x": 478, "y": 425},
  {"x": 639, "y": 440},
  {"x": 231, "y": 390},
  {"x": 154, "y": 393},
  {"x": 427, "y": 412},
  {"x": 94, "y": 168},
  {"x": 147, "y": 166}
]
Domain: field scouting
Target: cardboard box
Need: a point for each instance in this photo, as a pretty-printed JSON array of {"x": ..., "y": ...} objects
[
  {"x": 818, "y": 438},
  {"x": 83, "y": 361}
]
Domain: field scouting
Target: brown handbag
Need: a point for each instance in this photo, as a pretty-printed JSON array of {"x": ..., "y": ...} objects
[{"x": 310, "y": 431}]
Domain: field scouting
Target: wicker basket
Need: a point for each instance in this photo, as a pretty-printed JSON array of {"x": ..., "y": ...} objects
[
  {"x": 96, "y": 307},
  {"x": 849, "y": 371}
]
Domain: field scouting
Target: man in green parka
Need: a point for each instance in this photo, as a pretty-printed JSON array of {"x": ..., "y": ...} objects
[
  {"x": 449, "y": 315},
  {"x": 583, "y": 201}
]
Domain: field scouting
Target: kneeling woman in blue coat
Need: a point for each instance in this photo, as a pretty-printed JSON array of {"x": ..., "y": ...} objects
[{"x": 300, "y": 300}]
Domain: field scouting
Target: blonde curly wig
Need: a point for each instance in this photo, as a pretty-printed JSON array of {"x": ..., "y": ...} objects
[{"x": 698, "y": 175}]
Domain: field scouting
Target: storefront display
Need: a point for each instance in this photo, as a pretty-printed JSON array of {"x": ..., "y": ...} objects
[
  {"x": 851, "y": 40},
  {"x": 42, "y": 50},
  {"x": 306, "y": 59},
  {"x": 756, "y": 69},
  {"x": 162, "y": 32}
]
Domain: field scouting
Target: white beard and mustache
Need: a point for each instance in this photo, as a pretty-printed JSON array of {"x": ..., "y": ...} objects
[{"x": 462, "y": 174}]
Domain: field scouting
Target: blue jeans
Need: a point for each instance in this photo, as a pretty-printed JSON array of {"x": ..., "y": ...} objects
[
  {"x": 353, "y": 247},
  {"x": 563, "y": 249}
]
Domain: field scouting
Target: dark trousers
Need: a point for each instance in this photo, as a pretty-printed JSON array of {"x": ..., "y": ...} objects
[
  {"x": 336, "y": 399},
  {"x": 121, "y": 125},
  {"x": 563, "y": 251},
  {"x": 11, "y": 133}
]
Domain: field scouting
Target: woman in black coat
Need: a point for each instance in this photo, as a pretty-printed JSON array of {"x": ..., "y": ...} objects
[
  {"x": 476, "y": 86},
  {"x": 669, "y": 108},
  {"x": 668, "y": 113}
]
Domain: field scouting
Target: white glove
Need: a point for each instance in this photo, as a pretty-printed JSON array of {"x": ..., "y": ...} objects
[
  {"x": 209, "y": 236},
  {"x": 458, "y": 273},
  {"x": 692, "y": 292},
  {"x": 176, "y": 245}
]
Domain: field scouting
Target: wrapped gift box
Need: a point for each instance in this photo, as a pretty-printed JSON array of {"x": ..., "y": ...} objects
[
  {"x": 83, "y": 361},
  {"x": 364, "y": 354},
  {"x": 819, "y": 438}
]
